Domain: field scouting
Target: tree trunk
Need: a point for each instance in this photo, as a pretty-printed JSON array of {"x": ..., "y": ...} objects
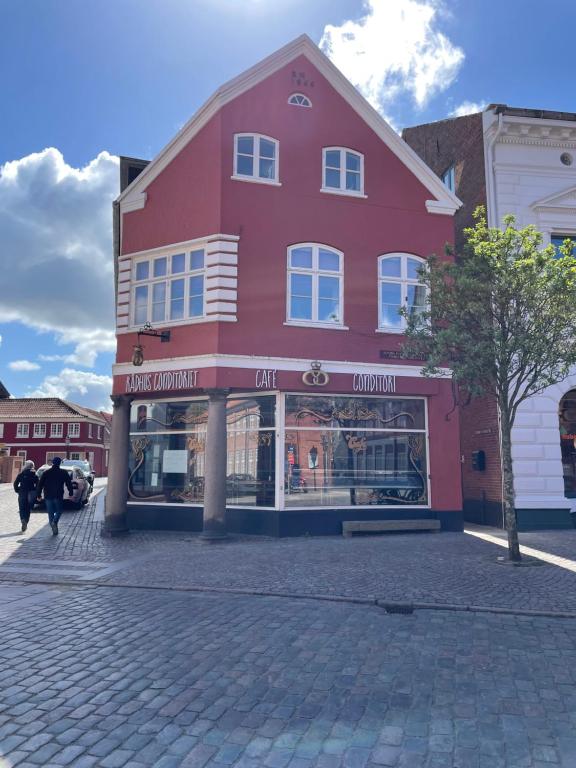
[{"x": 508, "y": 485}]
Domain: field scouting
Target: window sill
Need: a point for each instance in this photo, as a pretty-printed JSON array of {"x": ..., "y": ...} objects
[
  {"x": 255, "y": 180},
  {"x": 343, "y": 193},
  {"x": 397, "y": 331},
  {"x": 310, "y": 324}
]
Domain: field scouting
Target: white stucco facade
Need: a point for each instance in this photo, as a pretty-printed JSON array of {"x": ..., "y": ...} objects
[{"x": 526, "y": 176}]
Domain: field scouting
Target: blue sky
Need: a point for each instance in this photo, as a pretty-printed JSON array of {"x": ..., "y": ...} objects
[{"x": 83, "y": 82}]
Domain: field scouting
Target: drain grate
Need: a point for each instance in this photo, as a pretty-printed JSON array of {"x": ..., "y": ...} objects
[{"x": 404, "y": 608}]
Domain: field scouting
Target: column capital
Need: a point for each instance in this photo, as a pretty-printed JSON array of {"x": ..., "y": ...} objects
[
  {"x": 119, "y": 400},
  {"x": 217, "y": 393}
]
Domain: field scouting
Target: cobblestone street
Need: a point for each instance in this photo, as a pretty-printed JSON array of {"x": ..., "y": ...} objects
[{"x": 112, "y": 655}]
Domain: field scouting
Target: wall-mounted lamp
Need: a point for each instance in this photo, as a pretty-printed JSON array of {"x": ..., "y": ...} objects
[{"x": 147, "y": 330}]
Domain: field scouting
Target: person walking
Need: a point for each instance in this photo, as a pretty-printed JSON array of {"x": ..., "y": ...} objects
[
  {"x": 25, "y": 486},
  {"x": 52, "y": 483}
]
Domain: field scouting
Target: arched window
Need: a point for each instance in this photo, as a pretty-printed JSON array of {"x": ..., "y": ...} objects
[
  {"x": 398, "y": 287},
  {"x": 299, "y": 100},
  {"x": 342, "y": 171},
  {"x": 315, "y": 285},
  {"x": 256, "y": 158}
]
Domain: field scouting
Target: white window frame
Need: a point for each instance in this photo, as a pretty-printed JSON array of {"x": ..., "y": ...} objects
[
  {"x": 22, "y": 454},
  {"x": 167, "y": 279},
  {"x": 75, "y": 455},
  {"x": 315, "y": 272},
  {"x": 22, "y": 431},
  {"x": 404, "y": 281},
  {"x": 299, "y": 100},
  {"x": 56, "y": 430},
  {"x": 89, "y": 429},
  {"x": 449, "y": 179},
  {"x": 99, "y": 432},
  {"x": 39, "y": 430},
  {"x": 1, "y": 430},
  {"x": 73, "y": 429},
  {"x": 341, "y": 190},
  {"x": 255, "y": 177}
]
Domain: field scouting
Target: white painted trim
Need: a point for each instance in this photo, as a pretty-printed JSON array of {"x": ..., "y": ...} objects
[
  {"x": 184, "y": 245},
  {"x": 295, "y": 104},
  {"x": 311, "y": 324},
  {"x": 136, "y": 203},
  {"x": 342, "y": 169},
  {"x": 254, "y": 180},
  {"x": 344, "y": 193},
  {"x": 441, "y": 207},
  {"x": 220, "y": 270},
  {"x": 223, "y": 246},
  {"x": 220, "y": 294},
  {"x": 220, "y": 306},
  {"x": 225, "y": 259},
  {"x": 554, "y": 201},
  {"x": 304, "y": 46},
  {"x": 253, "y": 362},
  {"x": 256, "y": 157},
  {"x": 216, "y": 281}
]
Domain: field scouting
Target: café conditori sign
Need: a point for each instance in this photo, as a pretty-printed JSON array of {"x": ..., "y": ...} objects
[{"x": 162, "y": 381}]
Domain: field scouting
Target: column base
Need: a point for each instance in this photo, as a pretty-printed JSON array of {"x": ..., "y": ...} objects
[
  {"x": 213, "y": 537},
  {"x": 112, "y": 533}
]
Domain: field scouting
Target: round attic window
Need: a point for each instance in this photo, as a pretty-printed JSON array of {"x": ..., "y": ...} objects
[{"x": 566, "y": 158}]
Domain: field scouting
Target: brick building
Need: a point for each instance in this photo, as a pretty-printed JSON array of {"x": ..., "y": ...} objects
[
  {"x": 270, "y": 246},
  {"x": 518, "y": 161},
  {"x": 41, "y": 428}
]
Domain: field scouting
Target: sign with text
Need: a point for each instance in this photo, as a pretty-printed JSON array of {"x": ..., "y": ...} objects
[
  {"x": 373, "y": 382},
  {"x": 266, "y": 378},
  {"x": 162, "y": 381}
]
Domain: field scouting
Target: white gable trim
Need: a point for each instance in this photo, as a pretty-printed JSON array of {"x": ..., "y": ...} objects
[
  {"x": 444, "y": 202},
  {"x": 565, "y": 199}
]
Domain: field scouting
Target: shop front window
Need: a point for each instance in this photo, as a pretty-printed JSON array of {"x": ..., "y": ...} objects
[
  {"x": 250, "y": 467},
  {"x": 567, "y": 418},
  {"x": 343, "y": 452}
]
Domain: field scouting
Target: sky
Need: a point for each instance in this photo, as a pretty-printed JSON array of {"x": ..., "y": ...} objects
[{"x": 83, "y": 82}]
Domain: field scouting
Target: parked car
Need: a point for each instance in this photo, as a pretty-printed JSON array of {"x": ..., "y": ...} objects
[
  {"x": 84, "y": 465},
  {"x": 80, "y": 485}
]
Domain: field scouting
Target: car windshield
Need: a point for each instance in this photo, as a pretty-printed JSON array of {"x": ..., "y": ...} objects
[{"x": 84, "y": 465}]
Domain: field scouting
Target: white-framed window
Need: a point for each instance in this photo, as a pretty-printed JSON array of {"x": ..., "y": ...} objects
[
  {"x": 52, "y": 455},
  {"x": 39, "y": 430},
  {"x": 449, "y": 179},
  {"x": 22, "y": 430},
  {"x": 22, "y": 454},
  {"x": 256, "y": 158},
  {"x": 106, "y": 458},
  {"x": 299, "y": 100},
  {"x": 169, "y": 288},
  {"x": 99, "y": 432},
  {"x": 73, "y": 430},
  {"x": 398, "y": 287},
  {"x": 1, "y": 430},
  {"x": 315, "y": 285},
  {"x": 89, "y": 429},
  {"x": 75, "y": 456},
  {"x": 342, "y": 171},
  {"x": 56, "y": 430}
]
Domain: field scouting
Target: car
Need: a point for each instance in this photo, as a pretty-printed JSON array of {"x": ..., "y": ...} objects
[
  {"x": 84, "y": 465},
  {"x": 81, "y": 486},
  {"x": 241, "y": 484}
]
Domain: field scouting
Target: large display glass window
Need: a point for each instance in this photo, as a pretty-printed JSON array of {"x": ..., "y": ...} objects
[
  {"x": 348, "y": 451},
  {"x": 251, "y": 455},
  {"x": 567, "y": 416}
]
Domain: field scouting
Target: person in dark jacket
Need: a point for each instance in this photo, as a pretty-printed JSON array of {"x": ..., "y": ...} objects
[
  {"x": 25, "y": 486},
  {"x": 52, "y": 483}
]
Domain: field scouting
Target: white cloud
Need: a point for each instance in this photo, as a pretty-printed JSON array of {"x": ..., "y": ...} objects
[
  {"x": 56, "y": 245},
  {"x": 23, "y": 365},
  {"x": 468, "y": 108},
  {"x": 84, "y": 387},
  {"x": 396, "y": 48}
]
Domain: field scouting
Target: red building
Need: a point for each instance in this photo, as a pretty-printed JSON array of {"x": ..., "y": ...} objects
[
  {"x": 274, "y": 240},
  {"x": 40, "y": 428}
]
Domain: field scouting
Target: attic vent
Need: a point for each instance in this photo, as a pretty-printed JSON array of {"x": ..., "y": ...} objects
[{"x": 299, "y": 100}]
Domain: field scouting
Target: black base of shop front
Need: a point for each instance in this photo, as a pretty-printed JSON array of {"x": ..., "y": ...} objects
[{"x": 276, "y": 523}]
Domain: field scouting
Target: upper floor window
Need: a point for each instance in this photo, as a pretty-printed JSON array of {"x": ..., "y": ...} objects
[
  {"x": 56, "y": 430},
  {"x": 448, "y": 179},
  {"x": 99, "y": 432},
  {"x": 255, "y": 158},
  {"x": 73, "y": 430},
  {"x": 299, "y": 100},
  {"x": 342, "y": 171},
  {"x": 315, "y": 284},
  {"x": 169, "y": 288},
  {"x": 22, "y": 430},
  {"x": 39, "y": 430},
  {"x": 1, "y": 430},
  {"x": 399, "y": 286},
  {"x": 89, "y": 430},
  {"x": 558, "y": 240}
]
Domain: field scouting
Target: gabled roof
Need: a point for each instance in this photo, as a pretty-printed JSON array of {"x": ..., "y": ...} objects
[
  {"x": 443, "y": 201},
  {"x": 45, "y": 408}
]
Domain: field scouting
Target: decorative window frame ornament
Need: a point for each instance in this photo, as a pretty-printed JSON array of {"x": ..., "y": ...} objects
[{"x": 315, "y": 376}]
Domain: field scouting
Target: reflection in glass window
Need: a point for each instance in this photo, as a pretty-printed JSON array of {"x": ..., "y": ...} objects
[
  {"x": 315, "y": 284},
  {"x": 567, "y": 418},
  {"x": 399, "y": 287}
]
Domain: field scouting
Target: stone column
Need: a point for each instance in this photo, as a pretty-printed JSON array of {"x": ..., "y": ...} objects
[
  {"x": 215, "y": 468},
  {"x": 115, "y": 519}
]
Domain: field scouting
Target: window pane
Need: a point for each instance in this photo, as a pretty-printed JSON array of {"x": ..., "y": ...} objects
[
  {"x": 197, "y": 259},
  {"x": 328, "y": 311},
  {"x": 390, "y": 302},
  {"x": 142, "y": 270},
  {"x": 196, "y": 306},
  {"x": 267, "y": 148},
  {"x": 177, "y": 300},
  {"x": 333, "y": 158},
  {"x": 332, "y": 179},
  {"x": 245, "y": 165},
  {"x": 353, "y": 181},
  {"x": 301, "y": 285},
  {"x": 390, "y": 267},
  {"x": 246, "y": 145},
  {"x": 416, "y": 296},
  {"x": 301, "y": 257},
  {"x": 412, "y": 267},
  {"x": 160, "y": 266},
  {"x": 300, "y": 308},
  {"x": 266, "y": 169},
  {"x": 196, "y": 303},
  {"x": 250, "y": 476},
  {"x": 178, "y": 263},
  {"x": 158, "y": 301},
  {"x": 141, "y": 304},
  {"x": 329, "y": 287},
  {"x": 328, "y": 260},
  {"x": 352, "y": 162}
]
